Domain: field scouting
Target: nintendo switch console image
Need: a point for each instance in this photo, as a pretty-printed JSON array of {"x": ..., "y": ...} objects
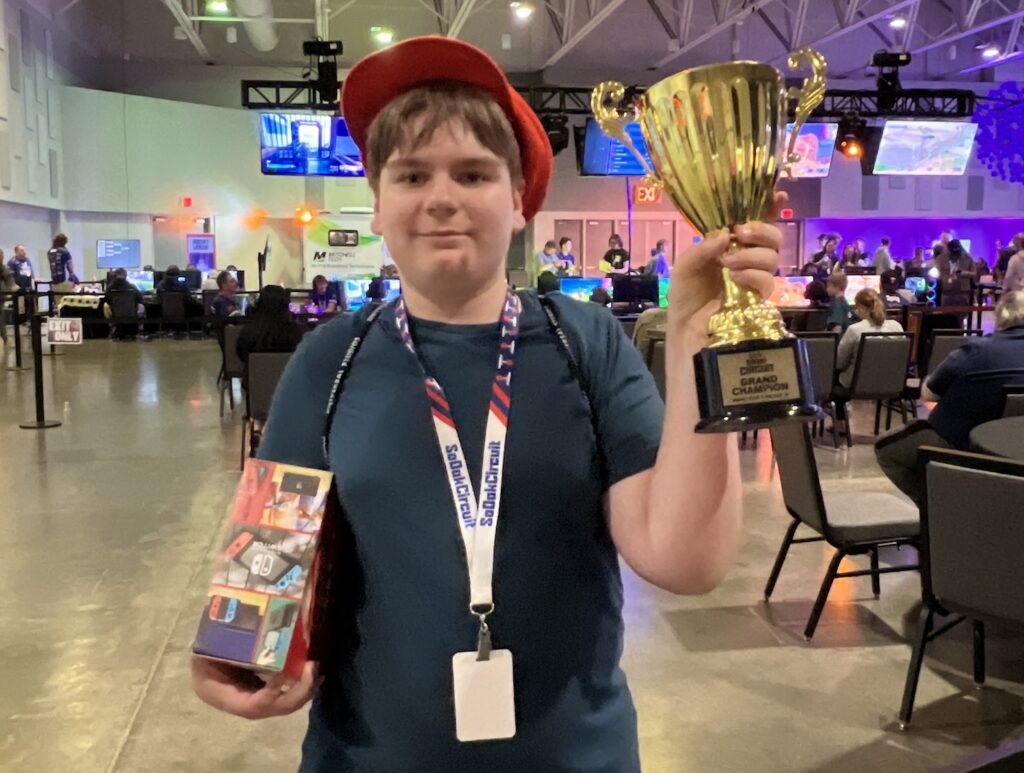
[{"x": 261, "y": 581}]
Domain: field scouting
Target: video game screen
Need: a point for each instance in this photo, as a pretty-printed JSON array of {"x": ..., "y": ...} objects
[
  {"x": 925, "y": 147},
  {"x": 143, "y": 280},
  {"x": 857, "y": 283},
  {"x": 118, "y": 253},
  {"x": 604, "y": 156},
  {"x": 580, "y": 288},
  {"x": 815, "y": 144},
  {"x": 788, "y": 291},
  {"x": 308, "y": 145}
]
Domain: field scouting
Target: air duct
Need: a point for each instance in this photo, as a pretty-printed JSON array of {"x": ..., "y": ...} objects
[{"x": 259, "y": 23}]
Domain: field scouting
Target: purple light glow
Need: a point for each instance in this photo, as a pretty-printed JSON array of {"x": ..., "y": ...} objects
[{"x": 908, "y": 233}]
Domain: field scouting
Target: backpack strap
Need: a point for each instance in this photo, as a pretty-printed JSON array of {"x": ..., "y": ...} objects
[{"x": 339, "y": 379}]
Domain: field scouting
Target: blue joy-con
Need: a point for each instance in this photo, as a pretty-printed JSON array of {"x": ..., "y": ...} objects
[
  {"x": 232, "y": 609},
  {"x": 293, "y": 576}
]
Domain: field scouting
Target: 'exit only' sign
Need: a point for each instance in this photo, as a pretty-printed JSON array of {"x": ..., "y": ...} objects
[
  {"x": 648, "y": 194},
  {"x": 64, "y": 331}
]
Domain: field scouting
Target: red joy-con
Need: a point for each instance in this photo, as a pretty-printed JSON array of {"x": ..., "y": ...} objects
[{"x": 241, "y": 543}]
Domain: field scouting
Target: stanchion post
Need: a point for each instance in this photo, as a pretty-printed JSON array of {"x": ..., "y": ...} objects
[
  {"x": 18, "y": 366},
  {"x": 37, "y": 357}
]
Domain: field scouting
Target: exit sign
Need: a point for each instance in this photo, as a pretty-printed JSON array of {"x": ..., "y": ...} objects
[{"x": 648, "y": 194}]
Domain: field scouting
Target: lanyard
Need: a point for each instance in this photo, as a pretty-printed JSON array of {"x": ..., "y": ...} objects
[{"x": 478, "y": 521}]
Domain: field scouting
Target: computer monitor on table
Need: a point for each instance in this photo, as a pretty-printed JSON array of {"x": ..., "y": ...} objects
[
  {"x": 635, "y": 289},
  {"x": 581, "y": 288},
  {"x": 144, "y": 281}
]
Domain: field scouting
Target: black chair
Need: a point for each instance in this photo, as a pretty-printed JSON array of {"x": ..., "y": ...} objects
[
  {"x": 262, "y": 374},
  {"x": 943, "y": 343},
  {"x": 854, "y": 523},
  {"x": 821, "y": 354},
  {"x": 970, "y": 556},
  {"x": 173, "y": 311},
  {"x": 232, "y": 367},
  {"x": 657, "y": 365},
  {"x": 880, "y": 374},
  {"x": 1013, "y": 400},
  {"x": 929, "y": 323},
  {"x": 124, "y": 311}
]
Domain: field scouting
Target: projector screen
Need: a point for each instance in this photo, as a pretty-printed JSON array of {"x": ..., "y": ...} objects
[
  {"x": 925, "y": 147},
  {"x": 307, "y": 145},
  {"x": 815, "y": 144}
]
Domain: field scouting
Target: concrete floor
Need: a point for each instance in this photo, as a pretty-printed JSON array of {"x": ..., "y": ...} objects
[{"x": 108, "y": 522}]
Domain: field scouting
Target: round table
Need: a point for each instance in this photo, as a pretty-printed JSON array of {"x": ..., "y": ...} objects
[{"x": 1002, "y": 437}]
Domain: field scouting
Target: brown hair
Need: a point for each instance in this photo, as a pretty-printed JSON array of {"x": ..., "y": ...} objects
[
  {"x": 838, "y": 281},
  {"x": 60, "y": 240},
  {"x": 870, "y": 299},
  {"x": 439, "y": 104},
  {"x": 1010, "y": 310}
]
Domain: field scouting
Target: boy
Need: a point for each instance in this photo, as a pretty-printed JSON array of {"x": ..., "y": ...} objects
[
  {"x": 838, "y": 317},
  {"x": 458, "y": 163}
]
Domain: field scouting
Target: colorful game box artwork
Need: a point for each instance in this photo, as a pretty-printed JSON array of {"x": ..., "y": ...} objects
[{"x": 256, "y": 612}]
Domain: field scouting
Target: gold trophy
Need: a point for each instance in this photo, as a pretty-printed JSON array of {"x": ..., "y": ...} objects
[{"x": 716, "y": 135}]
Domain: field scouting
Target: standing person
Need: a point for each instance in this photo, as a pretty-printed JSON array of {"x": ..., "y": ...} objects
[
  {"x": 568, "y": 260},
  {"x": 1002, "y": 263},
  {"x": 848, "y": 259},
  {"x": 916, "y": 264},
  {"x": 62, "y": 271},
  {"x": 458, "y": 163},
  {"x": 861, "y": 257},
  {"x": 7, "y": 285},
  {"x": 1013, "y": 278},
  {"x": 883, "y": 258},
  {"x": 869, "y": 307},
  {"x": 823, "y": 261},
  {"x": 659, "y": 264},
  {"x": 958, "y": 276},
  {"x": 616, "y": 259},
  {"x": 21, "y": 267},
  {"x": 838, "y": 317}
]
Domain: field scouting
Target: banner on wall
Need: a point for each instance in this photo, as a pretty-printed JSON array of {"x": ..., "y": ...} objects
[
  {"x": 341, "y": 246},
  {"x": 202, "y": 251}
]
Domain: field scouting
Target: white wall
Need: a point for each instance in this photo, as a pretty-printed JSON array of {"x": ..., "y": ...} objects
[
  {"x": 32, "y": 226},
  {"x": 83, "y": 229}
]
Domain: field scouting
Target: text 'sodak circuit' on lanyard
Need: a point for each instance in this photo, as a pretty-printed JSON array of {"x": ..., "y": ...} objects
[{"x": 478, "y": 521}]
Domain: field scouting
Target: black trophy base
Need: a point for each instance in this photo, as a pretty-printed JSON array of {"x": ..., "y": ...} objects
[{"x": 754, "y": 384}]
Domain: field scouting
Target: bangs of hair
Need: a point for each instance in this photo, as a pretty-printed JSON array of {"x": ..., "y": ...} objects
[{"x": 433, "y": 106}]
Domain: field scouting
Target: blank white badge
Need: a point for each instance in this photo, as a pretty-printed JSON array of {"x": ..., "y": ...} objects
[{"x": 485, "y": 704}]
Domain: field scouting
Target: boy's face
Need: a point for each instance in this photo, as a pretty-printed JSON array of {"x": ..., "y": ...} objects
[
  {"x": 447, "y": 211},
  {"x": 567, "y": 248}
]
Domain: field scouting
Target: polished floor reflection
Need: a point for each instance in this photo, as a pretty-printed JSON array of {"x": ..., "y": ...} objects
[{"x": 109, "y": 519}]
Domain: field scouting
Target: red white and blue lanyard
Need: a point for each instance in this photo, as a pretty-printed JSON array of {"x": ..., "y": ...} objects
[{"x": 478, "y": 521}]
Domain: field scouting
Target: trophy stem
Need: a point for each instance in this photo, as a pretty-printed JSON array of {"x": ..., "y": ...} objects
[{"x": 732, "y": 290}]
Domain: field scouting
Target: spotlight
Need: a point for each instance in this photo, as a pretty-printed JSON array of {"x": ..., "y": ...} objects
[
  {"x": 217, "y": 7},
  {"x": 898, "y": 22},
  {"x": 557, "y": 128},
  {"x": 990, "y": 52},
  {"x": 851, "y": 136},
  {"x": 382, "y": 36},
  {"x": 522, "y": 10},
  {"x": 304, "y": 215}
]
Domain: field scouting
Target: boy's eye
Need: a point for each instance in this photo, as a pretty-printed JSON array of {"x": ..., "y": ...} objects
[
  {"x": 473, "y": 176},
  {"x": 411, "y": 178}
]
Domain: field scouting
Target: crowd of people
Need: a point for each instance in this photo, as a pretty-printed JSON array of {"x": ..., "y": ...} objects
[{"x": 557, "y": 259}]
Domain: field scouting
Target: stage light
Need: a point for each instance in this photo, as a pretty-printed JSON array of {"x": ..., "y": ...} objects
[
  {"x": 898, "y": 22},
  {"x": 522, "y": 10},
  {"x": 382, "y": 36},
  {"x": 304, "y": 216},
  {"x": 851, "y": 136},
  {"x": 557, "y": 129},
  {"x": 218, "y": 7},
  {"x": 990, "y": 52}
]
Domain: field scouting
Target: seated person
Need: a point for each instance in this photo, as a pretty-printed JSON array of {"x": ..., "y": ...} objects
[
  {"x": 547, "y": 283},
  {"x": 810, "y": 320},
  {"x": 892, "y": 296},
  {"x": 838, "y": 318},
  {"x": 225, "y": 305},
  {"x": 648, "y": 319},
  {"x": 171, "y": 283},
  {"x": 376, "y": 292},
  {"x": 119, "y": 283},
  {"x": 962, "y": 403},
  {"x": 869, "y": 308},
  {"x": 600, "y": 295},
  {"x": 323, "y": 295}
]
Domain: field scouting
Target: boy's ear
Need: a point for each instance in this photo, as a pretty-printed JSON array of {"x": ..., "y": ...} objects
[{"x": 518, "y": 219}]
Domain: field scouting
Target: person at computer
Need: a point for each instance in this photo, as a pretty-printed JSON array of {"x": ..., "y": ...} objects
[
  {"x": 225, "y": 304},
  {"x": 659, "y": 264},
  {"x": 119, "y": 283},
  {"x": 323, "y": 297},
  {"x": 616, "y": 259},
  {"x": 376, "y": 292},
  {"x": 173, "y": 281}
]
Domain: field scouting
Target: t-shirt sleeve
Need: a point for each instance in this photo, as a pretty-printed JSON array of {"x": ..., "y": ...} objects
[
  {"x": 628, "y": 408},
  {"x": 295, "y": 425}
]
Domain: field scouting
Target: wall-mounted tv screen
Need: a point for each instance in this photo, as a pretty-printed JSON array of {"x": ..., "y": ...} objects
[
  {"x": 604, "y": 156},
  {"x": 118, "y": 253},
  {"x": 925, "y": 147},
  {"x": 307, "y": 145},
  {"x": 815, "y": 143}
]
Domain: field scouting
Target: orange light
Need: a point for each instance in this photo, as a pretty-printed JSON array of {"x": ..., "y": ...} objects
[{"x": 304, "y": 216}]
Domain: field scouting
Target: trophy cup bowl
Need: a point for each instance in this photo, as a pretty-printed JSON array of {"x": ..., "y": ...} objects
[{"x": 717, "y": 138}]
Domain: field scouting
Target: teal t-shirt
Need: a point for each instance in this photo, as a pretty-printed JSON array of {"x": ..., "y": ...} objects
[
  {"x": 557, "y": 588},
  {"x": 838, "y": 314}
]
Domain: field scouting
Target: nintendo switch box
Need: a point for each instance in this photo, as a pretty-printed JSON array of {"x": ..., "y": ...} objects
[{"x": 256, "y": 611}]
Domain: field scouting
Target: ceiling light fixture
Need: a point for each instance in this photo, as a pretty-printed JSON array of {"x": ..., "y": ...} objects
[
  {"x": 382, "y": 36},
  {"x": 218, "y": 7},
  {"x": 851, "y": 136},
  {"x": 898, "y": 22},
  {"x": 522, "y": 10},
  {"x": 990, "y": 51}
]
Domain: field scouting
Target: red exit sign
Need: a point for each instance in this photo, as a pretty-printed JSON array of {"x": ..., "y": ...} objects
[{"x": 648, "y": 194}]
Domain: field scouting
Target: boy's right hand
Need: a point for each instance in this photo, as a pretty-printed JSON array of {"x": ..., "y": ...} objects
[{"x": 242, "y": 693}]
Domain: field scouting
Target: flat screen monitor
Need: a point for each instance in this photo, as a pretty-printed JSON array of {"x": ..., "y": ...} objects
[
  {"x": 815, "y": 143},
  {"x": 925, "y": 147},
  {"x": 308, "y": 146},
  {"x": 918, "y": 285},
  {"x": 635, "y": 288},
  {"x": 143, "y": 280},
  {"x": 788, "y": 291},
  {"x": 393, "y": 288},
  {"x": 355, "y": 293},
  {"x": 604, "y": 156},
  {"x": 854, "y": 284},
  {"x": 580, "y": 288},
  {"x": 118, "y": 253}
]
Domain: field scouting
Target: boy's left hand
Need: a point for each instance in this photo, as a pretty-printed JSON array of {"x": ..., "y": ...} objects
[{"x": 696, "y": 289}]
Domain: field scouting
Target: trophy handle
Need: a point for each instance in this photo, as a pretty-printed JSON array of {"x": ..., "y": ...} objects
[
  {"x": 808, "y": 97},
  {"x": 605, "y": 100}
]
